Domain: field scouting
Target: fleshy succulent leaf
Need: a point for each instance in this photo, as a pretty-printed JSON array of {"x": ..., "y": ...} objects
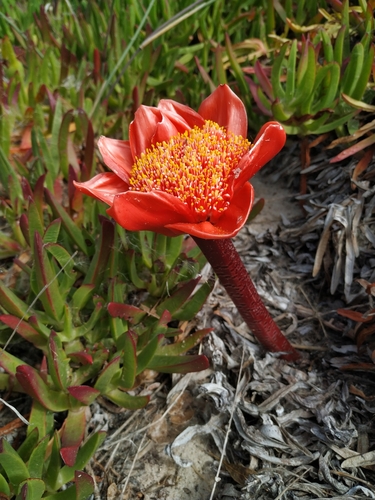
[
  {"x": 26, "y": 448},
  {"x": 84, "y": 484},
  {"x": 179, "y": 364},
  {"x": 44, "y": 280},
  {"x": 177, "y": 348},
  {"x": 72, "y": 434},
  {"x": 34, "y": 385},
  {"x": 58, "y": 363},
  {"x": 84, "y": 393},
  {"x": 84, "y": 454},
  {"x": 125, "y": 400},
  {"x": 13, "y": 304},
  {"x": 31, "y": 489},
  {"x": 12, "y": 464},
  {"x": 37, "y": 458},
  {"x": 104, "y": 380},
  {"x": 129, "y": 360},
  {"x": 178, "y": 298},
  {"x": 69, "y": 226},
  {"x": 126, "y": 312},
  {"x": 99, "y": 262},
  {"x": 25, "y": 330}
]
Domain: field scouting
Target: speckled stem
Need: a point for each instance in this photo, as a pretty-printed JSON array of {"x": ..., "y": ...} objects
[{"x": 228, "y": 266}]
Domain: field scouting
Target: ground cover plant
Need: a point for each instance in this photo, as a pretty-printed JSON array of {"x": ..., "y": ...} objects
[{"x": 98, "y": 305}]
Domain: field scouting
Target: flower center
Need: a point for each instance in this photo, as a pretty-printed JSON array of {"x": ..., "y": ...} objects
[{"x": 197, "y": 167}]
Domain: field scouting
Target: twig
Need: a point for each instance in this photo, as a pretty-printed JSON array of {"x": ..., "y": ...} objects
[
  {"x": 15, "y": 411},
  {"x": 234, "y": 406},
  {"x": 132, "y": 466}
]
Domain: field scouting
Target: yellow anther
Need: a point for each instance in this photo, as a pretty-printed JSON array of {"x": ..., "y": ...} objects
[{"x": 196, "y": 167}]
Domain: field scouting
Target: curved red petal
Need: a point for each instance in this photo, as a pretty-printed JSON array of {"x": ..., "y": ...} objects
[
  {"x": 269, "y": 141},
  {"x": 152, "y": 211},
  {"x": 165, "y": 129},
  {"x": 117, "y": 156},
  {"x": 226, "y": 109},
  {"x": 104, "y": 187},
  {"x": 183, "y": 117},
  {"x": 142, "y": 129},
  {"x": 229, "y": 224}
]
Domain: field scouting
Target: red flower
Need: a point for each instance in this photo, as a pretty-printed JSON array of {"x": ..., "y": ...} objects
[{"x": 185, "y": 172}]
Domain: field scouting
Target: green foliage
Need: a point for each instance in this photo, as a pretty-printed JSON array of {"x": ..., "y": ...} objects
[
  {"x": 101, "y": 305},
  {"x": 39, "y": 468},
  {"x": 312, "y": 75},
  {"x": 69, "y": 72}
]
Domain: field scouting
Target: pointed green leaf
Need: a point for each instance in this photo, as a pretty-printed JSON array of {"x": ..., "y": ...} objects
[
  {"x": 25, "y": 330},
  {"x": 291, "y": 72},
  {"x": 129, "y": 360},
  {"x": 195, "y": 303},
  {"x": 363, "y": 79},
  {"x": 28, "y": 445},
  {"x": 45, "y": 280},
  {"x": 52, "y": 232},
  {"x": 58, "y": 363},
  {"x": 147, "y": 353},
  {"x": 178, "y": 298},
  {"x": 42, "y": 419},
  {"x": 9, "y": 362},
  {"x": 132, "y": 270},
  {"x": 37, "y": 458},
  {"x": 31, "y": 489},
  {"x": 183, "y": 346},
  {"x": 334, "y": 124},
  {"x": 85, "y": 453},
  {"x": 339, "y": 45},
  {"x": 326, "y": 84},
  {"x": 179, "y": 364},
  {"x": 276, "y": 73},
  {"x": 107, "y": 374},
  {"x": 84, "y": 485},
  {"x": 12, "y": 464},
  {"x": 34, "y": 385},
  {"x": 84, "y": 393},
  {"x": 63, "y": 142},
  {"x": 125, "y": 400},
  {"x": 99, "y": 263},
  {"x": 327, "y": 46},
  {"x": 81, "y": 296},
  {"x": 69, "y": 226},
  {"x": 4, "y": 487},
  {"x": 237, "y": 70},
  {"x": 7, "y": 171},
  {"x": 353, "y": 70},
  {"x": 126, "y": 311},
  {"x": 53, "y": 467},
  {"x": 12, "y": 304},
  {"x": 279, "y": 113}
]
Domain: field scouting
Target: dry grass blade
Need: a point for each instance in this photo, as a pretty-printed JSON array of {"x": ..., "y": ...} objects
[{"x": 234, "y": 405}]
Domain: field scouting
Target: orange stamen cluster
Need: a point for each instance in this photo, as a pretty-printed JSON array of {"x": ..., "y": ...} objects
[{"x": 197, "y": 167}]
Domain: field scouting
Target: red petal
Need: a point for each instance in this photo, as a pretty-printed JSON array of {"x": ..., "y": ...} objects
[
  {"x": 183, "y": 117},
  {"x": 229, "y": 224},
  {"x": 117, "y": 156},
  {"x": 226, "y": 109},
  {"x": 151, "y": 211},
  {"x": 142, "y": 129},
  {"x": 166, "y": 129},
  {"x": 269, "y": 141},
  {"x": 104, "y": 187}
]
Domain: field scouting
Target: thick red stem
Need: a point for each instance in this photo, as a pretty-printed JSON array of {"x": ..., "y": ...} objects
[{"x": 228, "y": 266}]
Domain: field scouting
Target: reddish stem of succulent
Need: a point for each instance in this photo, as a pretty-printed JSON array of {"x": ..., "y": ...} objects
[{"x": 232, "y": 273}]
